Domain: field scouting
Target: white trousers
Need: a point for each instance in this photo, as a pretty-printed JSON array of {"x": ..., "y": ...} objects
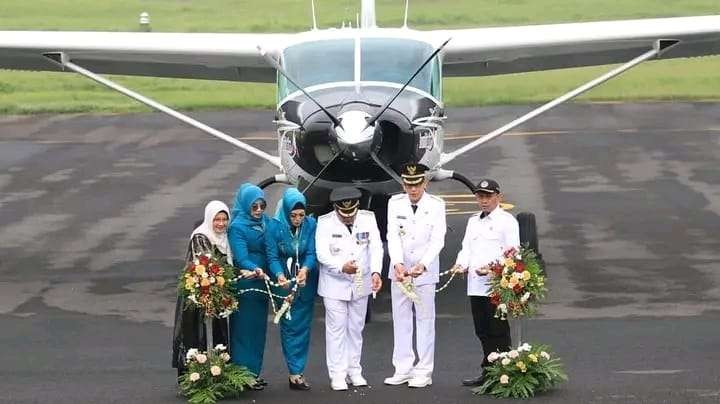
[
  {"x": 344, "y": 323},
  {"x": 403, "y": 358}
]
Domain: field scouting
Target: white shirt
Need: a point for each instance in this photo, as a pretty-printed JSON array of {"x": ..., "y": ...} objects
[
  {"x": 416, "y": 237},
  {"x": 484, "y": 242},
  {"x": 335, "y": 245}
]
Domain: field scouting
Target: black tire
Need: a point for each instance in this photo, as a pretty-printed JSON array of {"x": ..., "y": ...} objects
[
  {"x": 529, "y": 234},
  {"x": 528, "y": 230}
]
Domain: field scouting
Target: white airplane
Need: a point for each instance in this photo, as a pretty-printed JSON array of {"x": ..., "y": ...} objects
[{"x": 355, "y": 103}]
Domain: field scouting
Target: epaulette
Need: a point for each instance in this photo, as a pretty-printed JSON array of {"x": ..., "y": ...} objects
[
  {"x": 398, "y": 196},
  {"x": 326, "y": 216},
  {"x": 366, "y": 212},
  {"x": 436, "y": 198}
]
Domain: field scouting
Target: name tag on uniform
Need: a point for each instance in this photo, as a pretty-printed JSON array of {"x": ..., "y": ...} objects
[
  {"x": 337, "y": 236},
  {"x": 401, "y": 217},
  {"x": 363, "y": 237}
]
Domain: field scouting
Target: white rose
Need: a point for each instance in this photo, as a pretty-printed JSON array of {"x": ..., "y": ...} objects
[
  {"x": 545, "y": 355},
  {"x": 225, "y": 356},
  {"x": 503, "y": 354},
  {"x": 191, "y": 354},
  {"x": 493, "y": 357},
  {"x": 215, "y": 370},
  {"x": 220, "y": 347},
  {"x": 504, "y": 379},
  {"x": 194, "y": 376},
  {"x": 513, "y": 354},
  {"x": 525, "y": 347},
  {"x": 505, "y": 361},
  {"x": 212, "y": 279},
  {"x": 201, "y": 358}
]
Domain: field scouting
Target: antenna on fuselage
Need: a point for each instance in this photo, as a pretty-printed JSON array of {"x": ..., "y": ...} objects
[
  {"x": 312, "y": 6},
  {"x": 407, "y": 7},
  {"x": 367, "y": 14}
]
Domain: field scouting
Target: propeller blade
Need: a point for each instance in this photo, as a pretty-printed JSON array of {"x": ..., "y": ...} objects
[
  {"x": 322, "y": 170},
  {"x": 385, "y": 167},
  {"x": 375, "y": 117},
  {"x": 274, "y": 63}
]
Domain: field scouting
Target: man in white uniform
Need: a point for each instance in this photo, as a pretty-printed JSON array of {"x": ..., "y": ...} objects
[
  {"x": 415, "y": 236},
  {"x": 350, "y": 253},
  {"x": 487, "y": 235}
]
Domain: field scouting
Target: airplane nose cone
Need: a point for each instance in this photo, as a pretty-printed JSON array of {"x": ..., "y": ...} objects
[{"x": 354, "y": 134}]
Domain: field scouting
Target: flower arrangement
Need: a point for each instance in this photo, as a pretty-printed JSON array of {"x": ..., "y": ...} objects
[
  {"x": 517, "y": 283},
  {"x": 206, "y": 283},
  {"x": 210, "y": 376},
  {"x": 521, "y": 372}
]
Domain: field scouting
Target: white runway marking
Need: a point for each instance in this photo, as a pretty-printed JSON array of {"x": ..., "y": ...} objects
[{"x": 652, "y": 371}]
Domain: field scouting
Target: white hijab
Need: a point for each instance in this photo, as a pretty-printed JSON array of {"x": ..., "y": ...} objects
[{"x": 220, "y": 240}]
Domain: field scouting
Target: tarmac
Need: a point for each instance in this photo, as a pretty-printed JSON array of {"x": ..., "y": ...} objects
[{"x": 96, "y": 210}]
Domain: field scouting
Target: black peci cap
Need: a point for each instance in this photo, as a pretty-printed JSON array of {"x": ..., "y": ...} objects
[
  {"x": 346, "y": 200},
  {"x": 487, "y": 186},
  {"x": 413, "y": 173}
]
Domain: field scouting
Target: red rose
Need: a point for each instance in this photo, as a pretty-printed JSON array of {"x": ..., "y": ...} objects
[
  {"x": 204, "y": 260},
  {"x": 517, "y": 289},
  {"x": 495, "y": 299},
  {"x": 190, "y": 268},
  {"x": 519, "y": 266}
]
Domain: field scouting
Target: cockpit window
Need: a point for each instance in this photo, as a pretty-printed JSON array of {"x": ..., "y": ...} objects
[
  {"x": 319, "y": 62},
  {"x": 395, "y": 60},
  {"x": 389, "y": 60}
]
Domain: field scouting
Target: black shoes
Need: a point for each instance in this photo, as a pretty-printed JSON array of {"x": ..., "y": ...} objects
[
  {"x": 299, "y": 383},
  {"x": 259, "y": 384},
  {"x": 474, "y": 381}
]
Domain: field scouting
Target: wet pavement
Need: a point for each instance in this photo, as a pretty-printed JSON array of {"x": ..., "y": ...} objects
[{"x": 95, "y": 212}]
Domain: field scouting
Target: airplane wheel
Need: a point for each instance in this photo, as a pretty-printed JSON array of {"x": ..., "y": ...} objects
[{"x": 529, "y": 234}]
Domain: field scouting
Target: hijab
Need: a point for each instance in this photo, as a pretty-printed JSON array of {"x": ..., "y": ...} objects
[
  {"x": 291, "y": 198},
  {"x": 246, "y": 196},
  {"x": 219, "y": 240}
]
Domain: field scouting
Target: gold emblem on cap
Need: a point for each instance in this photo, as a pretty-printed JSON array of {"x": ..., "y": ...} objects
[
  {"x": 411, "y": 168},
  {"x": 484, "y": 184},
  {"x": 347, "y": 204}
]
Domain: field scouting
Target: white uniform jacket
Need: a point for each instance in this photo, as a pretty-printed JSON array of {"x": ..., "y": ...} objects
[
  {"x": 484, "y": 242},
  {"x": 416, "y": 237},
  {"x": 335, "y": 246}
]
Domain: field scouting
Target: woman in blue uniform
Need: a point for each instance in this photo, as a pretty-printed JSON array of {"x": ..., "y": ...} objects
[
  {"x": 248, "y": 325},
  {"x": 290, "y": 242}
]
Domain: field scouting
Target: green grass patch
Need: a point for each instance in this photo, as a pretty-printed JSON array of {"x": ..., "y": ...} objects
[{"x": 26, "y": 92}]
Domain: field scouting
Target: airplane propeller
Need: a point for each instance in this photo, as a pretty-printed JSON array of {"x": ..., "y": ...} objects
[{"x": 371, "y": 121}]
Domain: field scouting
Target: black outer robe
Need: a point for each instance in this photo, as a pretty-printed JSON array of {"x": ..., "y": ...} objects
[{"x": 189, "y": 329}]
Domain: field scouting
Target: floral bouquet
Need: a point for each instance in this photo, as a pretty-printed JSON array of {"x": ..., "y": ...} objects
[
  {"x": 517, "y": 283},
  {"x": 210, "y": 376},
  {"x": 206, "y": 284},
  {"x": 521, "y": 373}
]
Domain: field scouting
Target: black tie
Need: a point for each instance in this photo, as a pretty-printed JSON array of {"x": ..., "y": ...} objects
[
  {"x": 349, "y": 226},
  {"x": 484, "y": 215},
  {"x": 414, "y": 208}
]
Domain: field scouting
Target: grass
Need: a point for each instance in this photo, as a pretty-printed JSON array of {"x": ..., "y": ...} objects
[{"x": 25, "y": 92}]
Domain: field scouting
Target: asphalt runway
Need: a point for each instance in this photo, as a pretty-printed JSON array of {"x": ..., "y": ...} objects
[{"x": 95, "y": 212}]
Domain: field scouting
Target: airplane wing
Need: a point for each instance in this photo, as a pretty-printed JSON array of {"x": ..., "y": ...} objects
[
  {"x": 503, "y": 50},
  {"x": 231, "y": 57}
]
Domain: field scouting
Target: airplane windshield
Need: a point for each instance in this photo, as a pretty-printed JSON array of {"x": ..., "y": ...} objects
[
  {"x": 395, "y": 60},
  {"x": 319, "y": 62},
  {"x": 388, "y": 60}
]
